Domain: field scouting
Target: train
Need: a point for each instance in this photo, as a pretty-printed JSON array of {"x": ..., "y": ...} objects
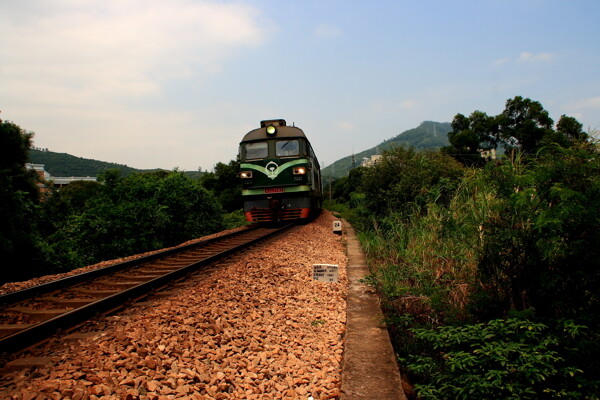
[{"x": 280, "y": 174}]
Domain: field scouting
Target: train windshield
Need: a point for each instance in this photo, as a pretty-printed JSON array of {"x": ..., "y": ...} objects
[
  {"x": 257, "y": 150},
  {"x": 285, "y": 148}
]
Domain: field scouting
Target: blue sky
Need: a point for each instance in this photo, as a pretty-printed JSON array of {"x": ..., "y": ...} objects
[{"x": 157, "y": 84}]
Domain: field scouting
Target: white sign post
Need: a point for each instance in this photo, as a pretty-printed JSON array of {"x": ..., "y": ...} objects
[
  {"x": 325, "y": 272},
  {"x": 337, "y": 227}
]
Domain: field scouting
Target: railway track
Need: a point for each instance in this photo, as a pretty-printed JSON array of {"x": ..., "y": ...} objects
[{"x": 31, "y": 315}]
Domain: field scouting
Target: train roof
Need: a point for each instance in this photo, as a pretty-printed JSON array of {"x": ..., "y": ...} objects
[{"x": 281, "y": 131}]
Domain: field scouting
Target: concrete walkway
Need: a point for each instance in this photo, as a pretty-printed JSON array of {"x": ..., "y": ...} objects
[{"x": 370, "y": 370}]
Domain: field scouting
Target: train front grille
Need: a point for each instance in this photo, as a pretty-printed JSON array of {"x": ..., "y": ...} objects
[{"x": 268, "y": 215}]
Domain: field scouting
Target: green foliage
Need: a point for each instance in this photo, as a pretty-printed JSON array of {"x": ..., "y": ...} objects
[
  {"x": 87, "y": 222},
  {"x": 404, "y": 176},
  {"x": 501, "y": 359},
  {"x": 523, "y": 124},
  {"x": 427, "y": 263},
  {"x": 571, "y": 129},
  {"x": 344, "y": 187},
  {"x": 470, "y": 135},
  {"x": 234, "y": 219},
  {"x": 128, "y": 215},
  {"x": 22, "y": 250},
  {"x": 63, "y": 164},
  {"x": 541, "y": 248},
  {"x": 224, "y": 183},
  {"x": 450, "y": 247}
]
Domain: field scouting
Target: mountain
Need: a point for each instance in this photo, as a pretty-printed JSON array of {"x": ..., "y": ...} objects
[
  {"x": 63, "y": 164},
  {"x": 429, "y": 135}
]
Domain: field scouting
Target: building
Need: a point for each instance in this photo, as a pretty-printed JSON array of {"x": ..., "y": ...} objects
[
  {"x": 369, "y": 162},
  {"x": 44, "y": 178}
]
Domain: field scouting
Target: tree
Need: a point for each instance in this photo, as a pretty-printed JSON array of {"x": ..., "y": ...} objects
[
  {"x": 15, "y": 144},
  {"x": 523, "y": 124},
  {"x": 133, "y": 214},
  {"x": 404, "y": 176},
  {"x": 21, "y": 246},
  {"x": 343, "y": 187},
  {"x": 571, "y": 129},
  {"x": 471, "y": 135},
  {"x": 224, "y": 182}
]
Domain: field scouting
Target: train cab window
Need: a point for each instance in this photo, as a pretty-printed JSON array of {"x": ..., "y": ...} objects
[
  {"x": 257, "y": 150},
  {"x": 286, "y": 148}
]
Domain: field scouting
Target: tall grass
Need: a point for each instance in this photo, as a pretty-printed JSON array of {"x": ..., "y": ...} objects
[
  {"x": 516, "y": 231},
  {"x": 424, "y": 261}
]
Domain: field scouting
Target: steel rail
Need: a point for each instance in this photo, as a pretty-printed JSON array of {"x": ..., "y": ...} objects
[
  {"x": 42, "y": 330},
  {"x": 28, "y": 293}
]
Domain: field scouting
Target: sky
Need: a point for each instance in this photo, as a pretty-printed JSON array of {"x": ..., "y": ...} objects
[{"x": 177, "y": 84}]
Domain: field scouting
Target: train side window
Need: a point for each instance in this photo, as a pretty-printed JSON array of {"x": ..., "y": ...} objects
[
  {"x": 284, "y": 148},
  {"x": 257, "y": 150}
]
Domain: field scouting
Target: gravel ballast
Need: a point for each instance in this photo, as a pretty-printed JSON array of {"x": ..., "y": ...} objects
[{"x": 258, "y": 327}]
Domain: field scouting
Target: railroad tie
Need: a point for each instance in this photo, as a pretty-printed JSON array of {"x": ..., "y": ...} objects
[
  {"x": 141, "y": 278},
  {"x": 129, "y": 283},
  {"x": 95, "y": 293},
  {"x": 28, "y": 362},
  {"x": 40, "y": 315},
  {"x": 12, "y": 328},
  {"x": 68, "y": 302}
]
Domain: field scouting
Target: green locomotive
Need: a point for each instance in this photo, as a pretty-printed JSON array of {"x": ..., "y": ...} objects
[{"x": 280, "y": 174}]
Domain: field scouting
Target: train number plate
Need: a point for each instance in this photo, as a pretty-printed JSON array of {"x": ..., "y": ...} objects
[{"x": 274, "y": 190}]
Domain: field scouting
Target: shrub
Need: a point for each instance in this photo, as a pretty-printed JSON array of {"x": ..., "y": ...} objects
[
  {"x": 404, "y": 176},
  {"x": 541, "y": 246},
  {"x": 502, "y": 359},
  {"x": 133, "y": 214}
]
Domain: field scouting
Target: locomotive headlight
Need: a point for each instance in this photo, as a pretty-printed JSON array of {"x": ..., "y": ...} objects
[
  {"x": 271, "y": 130},
  {"x": 246, "y": 174},
  {"x": 299, "y": 170}
]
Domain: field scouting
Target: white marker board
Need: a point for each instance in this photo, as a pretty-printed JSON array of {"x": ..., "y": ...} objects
[{"x": 325, "y": 272}]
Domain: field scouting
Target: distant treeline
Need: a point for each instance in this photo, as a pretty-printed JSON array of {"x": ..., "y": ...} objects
[{"x": 63, "y": 164}]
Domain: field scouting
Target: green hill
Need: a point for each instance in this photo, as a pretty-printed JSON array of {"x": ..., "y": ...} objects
[
  {"x": 63, "y": 164},
  {"x": 427, "y": 136}
]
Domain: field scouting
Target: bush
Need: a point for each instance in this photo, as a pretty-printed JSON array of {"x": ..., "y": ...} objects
[
  {"x": 426, "y": 264},
  {"x": 234, "y": 219},
  {"x": 541, "y": 247},
  {"x": 404, "y": 176},
  {"x": 129, "y": 215},
  {"x": 502, "y": 359},
  {"x": 513, "y": 237}
]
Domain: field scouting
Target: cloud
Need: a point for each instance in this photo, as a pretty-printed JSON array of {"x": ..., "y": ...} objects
[
  {"x": 585, "y": 110},
  {"x": 345, "y": 126},
  {"x": 327, "y": 31},
  {"x": 592, "y": 103},
  {"x": 408, "y": 104},
  {"x": 501, "y": 61},
  {"x": 123, "y": 47},
  {"x": 93, "y": 78},
  {"x": 526, "y": 57}
]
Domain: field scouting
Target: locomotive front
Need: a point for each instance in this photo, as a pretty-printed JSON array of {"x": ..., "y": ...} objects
[{"x": 280, "y": 174}]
